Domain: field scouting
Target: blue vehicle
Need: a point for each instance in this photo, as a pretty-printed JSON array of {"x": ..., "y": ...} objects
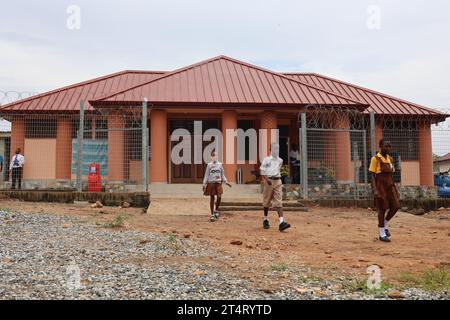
[{"x": 442, "y": 181}]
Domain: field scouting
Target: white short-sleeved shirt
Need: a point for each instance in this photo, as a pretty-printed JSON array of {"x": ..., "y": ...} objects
[
  {"x": 271, "y": 166},
  {"x": 17, "y": 161}
]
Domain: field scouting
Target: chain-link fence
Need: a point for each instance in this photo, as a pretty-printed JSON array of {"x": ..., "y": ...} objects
[
  {"x": 341, "y": 142},
  {"x": 336, "y": 146},
  {"x": 91, "y": 150}
]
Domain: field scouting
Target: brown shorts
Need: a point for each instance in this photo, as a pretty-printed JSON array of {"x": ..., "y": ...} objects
[
  {"x": 213, "y": 189},
  {"x": 273, "y": 194}
]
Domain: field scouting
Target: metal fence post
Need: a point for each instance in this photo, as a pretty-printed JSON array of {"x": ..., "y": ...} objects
[
  {"x": 373, "y": 146},
  {"x": 144, "y": 147},
  {"x": 80, "y": 149},
  {"x": 304, "y": 157}
]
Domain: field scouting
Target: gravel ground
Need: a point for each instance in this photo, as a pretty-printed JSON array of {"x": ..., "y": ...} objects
[{"x": 41, "y": 255}]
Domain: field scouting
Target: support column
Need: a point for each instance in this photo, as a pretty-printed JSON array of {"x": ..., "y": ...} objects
[
  {"x": 17, "y": 135},
  {"x": 229, "y": 123},
  {"x": 158, "y": 164},
  {"x": 63, "y": 168},
  {"x": 116, "y": 148},
  {"x": 378, "y": 134},
  {"x": 425, "y": 155},
  {"x": 343, "y": 168},
  {"x": 269, "y": 121}
]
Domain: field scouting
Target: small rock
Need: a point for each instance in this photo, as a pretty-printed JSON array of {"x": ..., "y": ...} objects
[
  {"x": 328, "y": 252},
  {"x": 236, "y": 242},
  {"x": 441, "y": 209},
  {"x": 174, "y": 231},
  {"x": 98, "y": 204},
  {"x": 266, "y": 248},
  {"x": 125, "y": 204},
  {"x": 269, "y": 291},
  {"x": 418, "y": 212},
  {"x": 144, "y": 241},
  {"x": 395, "y": 294},
  {"x": 249, "y": 246},
  {"x": 65, "y": 225},
  {"x": 362, "y": 260},
  {"x": 405, "y": 209},
  {"x": 234, "y": 265},
  {"x": 199, "y": 273},
  {"x": 303, "y": 290},
  {"x": 186, "y": 235}
]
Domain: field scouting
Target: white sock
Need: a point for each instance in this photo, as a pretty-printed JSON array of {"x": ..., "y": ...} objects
[
  {"x": 281, "y": 220},
  {"x": 386, "y": 224},
  {"x": 382, "y": 232}
]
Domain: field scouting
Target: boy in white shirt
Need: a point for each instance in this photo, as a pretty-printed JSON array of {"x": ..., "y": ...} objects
[
  {"x": 212, "y": 184},
  {"x": 273, "y": 193}
]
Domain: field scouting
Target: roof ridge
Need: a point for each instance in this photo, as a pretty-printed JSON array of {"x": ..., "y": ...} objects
[
  {"x": 366, "y": 89},
  {"x": 290, "y": 79},
  {"x": 238, "y": 62},
  {"x": 75, "y": 85},
  {"x": 162, "y": 77}
]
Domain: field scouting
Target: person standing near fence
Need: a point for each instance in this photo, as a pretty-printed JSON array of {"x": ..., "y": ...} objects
[
  {"x": 273, "y": 193},
  {"x": 16, "y": 168},
  {"x": 384, "y": 189}
]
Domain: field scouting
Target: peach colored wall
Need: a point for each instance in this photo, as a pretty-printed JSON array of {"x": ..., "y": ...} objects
[
  {"x": 116, "y": 148},
  {"x": 40, "y": 159},
  {"x": 229, "y": 122},
  {"x": 268, "y": 120},
  {"x": 425, "y": 155},
  {"x": 63, "y": 168},
  {"x": 410, "y": 173},
  {"x": 136, "y": 169},
  {"x": 159, "y": 145},
  {"x": 17, "y": 135}
]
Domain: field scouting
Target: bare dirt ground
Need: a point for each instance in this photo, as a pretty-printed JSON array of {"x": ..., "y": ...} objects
[{"x": 329, "y": 242}]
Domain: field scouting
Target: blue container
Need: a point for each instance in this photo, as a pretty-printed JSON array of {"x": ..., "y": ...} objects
[
  {"x": 441, "y": 180},
  {"x": 443, "y": 192}
]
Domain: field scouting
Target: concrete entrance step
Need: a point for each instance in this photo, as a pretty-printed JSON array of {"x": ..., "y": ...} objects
[
  {"x": 260, "y": 208},
  {"x": 249, "y": 192},
  {"x": 256, "y": 206}
]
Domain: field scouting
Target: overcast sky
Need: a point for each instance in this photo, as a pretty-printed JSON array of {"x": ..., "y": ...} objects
[{"x": 398, "y": 47}]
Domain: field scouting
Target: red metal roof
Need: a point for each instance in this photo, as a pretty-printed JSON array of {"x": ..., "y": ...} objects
[
  {"x": 224, "y": 80},
  {"x": 445, "y": 157},
  {"x": 218, "y": 80},
  {"x": 68, "y": 98},
  {"x": 378, "y": 102}
]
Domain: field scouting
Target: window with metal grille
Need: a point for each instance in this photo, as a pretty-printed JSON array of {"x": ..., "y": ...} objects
[
  {"x": 40, "y": 128},
  {"x": 87, "y": 129},
  {"x": 101, "y": 129},
  {"x": 404, "y": 140}
]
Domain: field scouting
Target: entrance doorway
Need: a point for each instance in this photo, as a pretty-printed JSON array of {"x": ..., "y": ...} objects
[{"x": 189, "y": 172}]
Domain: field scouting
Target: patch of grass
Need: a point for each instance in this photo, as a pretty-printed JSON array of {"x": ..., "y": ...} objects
[
  {"x": 117, "y": 222},
  {"x": 437, "y": 279},
  {"x": 278, "y": 267},
  {"x": 171, "y": 244},
  {"x": 356, "y": 285}
]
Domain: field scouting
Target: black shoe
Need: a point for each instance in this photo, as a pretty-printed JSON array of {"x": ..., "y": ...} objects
[
  {"x": 266, "y": 224},
  {"x": 388, "y": 234},
  {"x": 385, "y": 239},
  {"x": 284, "y": 226}
]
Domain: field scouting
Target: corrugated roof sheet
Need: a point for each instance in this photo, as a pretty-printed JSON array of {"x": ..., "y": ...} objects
[
  {"x": 445, "y": 157},
  {"x": 218, "y": 80},
  {"x": 225, "y": 80},
  {"x": 378, "y": 102},
  {"x": 68, "y": 98}
]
